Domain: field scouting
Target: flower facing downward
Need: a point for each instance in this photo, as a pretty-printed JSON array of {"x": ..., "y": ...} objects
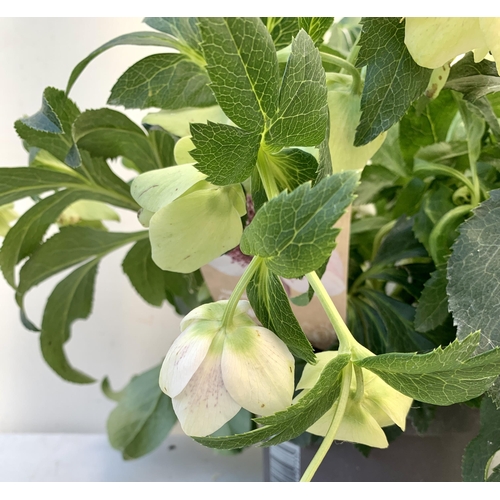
[
  {"x": 211, "y": 371},
  {"x": 379, "y": 406}
]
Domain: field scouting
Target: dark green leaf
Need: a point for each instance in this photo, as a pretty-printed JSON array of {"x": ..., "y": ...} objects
[
  {"x": 143, "y": 417},
  {"x": 226, "y": 154},
  {"x": 50, "y": 128},
  {"x": 19, "y": 182},
  {"x": 443, "y": 376},
  {"x": 107, "y": 133},
  {"x": 393, "y": 79},
  {"x": 442, "y": 152},
  {"x": 272, "y": 307},
  {"x": 481, "y": 449},
  {"x": 432, "y": 309},
  {"x": 409, "y": 198},
  {"x": 70, "y": 246},
  {"x": 282, "y": 30},
  {"x": 421, "y": 416},
  {"x": 166, "y": 81},
  {"x": 25, "y": 236},
  {"x": 293, "y": 232},
  {"x": 293, "y": 421},
  {"x": 149, "y": 38},
  {"x": 316, "y": 27},
  {"x": 243, "y": 67},
  {"x": 70, "y": 300},
  {"x": 302, "y": 114}
]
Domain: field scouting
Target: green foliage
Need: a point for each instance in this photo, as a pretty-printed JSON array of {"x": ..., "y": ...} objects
[
  {"x": 315, "y": 27},
  {"x": 393, "y": 79},
  {"x": 480, "y": 450},
  {"x": 443, "y": 376},
  {"x": 293, "y": 421},
  {"x": 282, "y": 30},
  {"x": 271, "y": 306},
  {"x": 143, "y": 417},
  {"x": 293, "y": 232}
]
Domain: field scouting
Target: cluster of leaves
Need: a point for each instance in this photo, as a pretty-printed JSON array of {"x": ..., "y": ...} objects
[{"x": 438, "y": 166}]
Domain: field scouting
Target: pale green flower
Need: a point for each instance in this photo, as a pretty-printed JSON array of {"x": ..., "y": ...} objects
[
  {"x": 86, "y": 210},
  {"x": 191, "y": 221},
  {"x": 211, "y": 371},
  {"x": 434, "y": 41},
  {"x": 7, "y": 215},
  {"x": 380, "y": 406}
]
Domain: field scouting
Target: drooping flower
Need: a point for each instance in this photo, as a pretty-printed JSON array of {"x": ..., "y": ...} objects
[
  {"x": 434, "y": 41},
  {"x": 380, "y": 406},
  {"x": 211, "y": 371},
  {"x": 191, "y": 221},
  {"x": 87, "y": 211}
]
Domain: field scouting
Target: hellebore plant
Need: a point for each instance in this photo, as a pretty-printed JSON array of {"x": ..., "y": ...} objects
[{"x": 268, "y": 131}]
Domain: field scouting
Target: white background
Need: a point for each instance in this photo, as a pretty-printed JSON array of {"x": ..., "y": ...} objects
[{"x": 124, "y": 335}]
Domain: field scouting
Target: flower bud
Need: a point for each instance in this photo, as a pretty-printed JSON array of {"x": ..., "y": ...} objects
[
  {"x": 211, "y": 371},
  {"x": 191, "y": 221},
  {"x": 379, "y": 406}
]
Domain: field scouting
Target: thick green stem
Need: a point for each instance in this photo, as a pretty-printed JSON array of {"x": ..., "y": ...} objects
[
  {"x": 334, "y": 426},
  {"x": 266, "y": 175},
  {"x": 380, "y": 235},
  {"x": 357, "y": 84},
  {"x": 240, "y": 287},
  {"x": 360, "y": 384},
  {"x": 346, "y": 340}
]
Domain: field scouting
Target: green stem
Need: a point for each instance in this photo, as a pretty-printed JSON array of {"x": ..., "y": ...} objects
[
  {"x": 476, "y": 193},
  {"x": 266, "y": 175},
  {"x": 240, "y": 287},
  {"x": 380, "y": 235},
  {"x": 346, "y": 340},
  {"x": 357, "y": 84},
  {"x": 334, "y": 426}
]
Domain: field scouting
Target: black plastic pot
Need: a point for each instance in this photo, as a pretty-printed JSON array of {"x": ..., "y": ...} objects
[{"x": 433, "y": 457}]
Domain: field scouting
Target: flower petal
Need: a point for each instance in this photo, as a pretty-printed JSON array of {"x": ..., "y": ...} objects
[
  {"x": 311, "y": 373},
  {"x": 157, "y": 188},
  {"x": 193, "y": 230},
  {"x": 205, "y": 405},
  {"x": 433, "y": 41},
  {"x": 490, "y": 27},
  {"x": 182, "y": 150},
  {"x": 258, "y": 370},
  {"x": 185, "y": 357}
]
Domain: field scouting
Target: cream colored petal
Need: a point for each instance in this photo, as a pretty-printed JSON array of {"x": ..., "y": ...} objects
[
  {"x": 88, "y": 210},
  {"x": 490, "y": 28},
  {"x": 258, "y": 370},
  {"x": 185, "y": 357},
  {"x": 213, "y": 311},
  {"x": 7, "y": 215},
  {"x": 155, "y": 189},
  {"x": 182, "y": 150},
  {"x": 205, "y": 405},
  {"x": 433, "y": 41},
  {"x": 144, "y": 216},
  {"x": 178, "y": 122},
  {"x": 311, "y": 373},
  {"x": 237, "y": 197},
  {"x": 193, "y": 230}
]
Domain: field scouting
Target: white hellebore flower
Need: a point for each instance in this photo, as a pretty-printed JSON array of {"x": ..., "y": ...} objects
[
  {"x": 191, "y": 221},
  {"x": 380, "y": 406},
  {"x": 433, "y": 41},
  {"x": 211, "y": 371}
]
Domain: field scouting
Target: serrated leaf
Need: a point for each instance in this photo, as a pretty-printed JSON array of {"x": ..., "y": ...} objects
[
  {"x": 481, "y": 449},
  {"x": 432, "y": 308},
  {"x": 282, "y": 30},
  {"x": 243, "y": 67},
  {"x": 26, "y": 235},
  {"x": 315, "y": 27},
  {"x": 302, "y": 113},
  {"x": 166, "y": 81},
  {"x": 474, "y": 273},
  {"x": 293, "y": 421},
  {"x": 72, "y": 245},
  {"x": 443, "y": 376},
  {"x": 293, "y": 232},
  {"x": 272, "y": 307},
  {"x": 19, "y": 182},
  {"x": 393, "y": 80},
  {"x": 50, "y": 128},
  {"x": 148, "y": 38},
  {"x": 226, "y": 154},
  {"x": 70, "y": 300},
  {"x": 143, "y": 417},
  {"x": 107, "y": 133}
]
